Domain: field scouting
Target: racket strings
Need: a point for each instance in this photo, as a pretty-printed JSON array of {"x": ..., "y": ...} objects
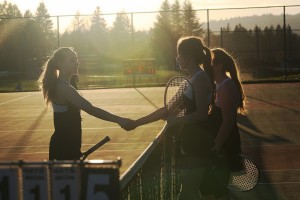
[
  {"x": 175, "y": 96},
  {"x": 244, "y": 180}
]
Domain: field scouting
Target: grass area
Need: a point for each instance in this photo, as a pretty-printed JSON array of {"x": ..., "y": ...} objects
[{"x": 10, "y": 85}]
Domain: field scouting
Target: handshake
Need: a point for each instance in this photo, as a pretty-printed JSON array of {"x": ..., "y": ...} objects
[{"x": 128, "y": 124}]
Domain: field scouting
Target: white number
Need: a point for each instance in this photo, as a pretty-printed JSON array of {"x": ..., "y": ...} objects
[{"x": 94, "y": 182}]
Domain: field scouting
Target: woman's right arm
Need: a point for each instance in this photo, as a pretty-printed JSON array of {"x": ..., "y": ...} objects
[{"x": 71, "y": 95}]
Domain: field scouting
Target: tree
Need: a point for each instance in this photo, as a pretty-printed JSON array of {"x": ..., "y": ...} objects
[
  {"x": 98, "y": 22},
  {"x": 10, "y": 35},
  {"x": 79, "y": 23},
  {"x": 121, "y": 35},
  {"x": 9, "y": 10},
  {"x": 98, "y": 33},
  {"x": 172, "y": 23},
  {"x": 162, "y": 36},
  {"x": 176, "y": 18},
  {"x": 191, "y": 25},
  {"x": 43, "y": 20}
]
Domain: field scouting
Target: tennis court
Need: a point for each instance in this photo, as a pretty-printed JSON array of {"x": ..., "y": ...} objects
[{"x": 270, "y": 133}]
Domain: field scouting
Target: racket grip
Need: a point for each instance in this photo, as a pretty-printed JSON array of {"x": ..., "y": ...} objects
[{"x": 96, "y": 146}]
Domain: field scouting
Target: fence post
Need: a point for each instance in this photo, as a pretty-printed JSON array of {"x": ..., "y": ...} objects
[
  {"x": 257, "y": 51},
  {"x": 221, "y": 37},
  {"x": 284, "y": 42},
  {"x": 208, "y": 32},
  {"x": 58, "y": 39}
]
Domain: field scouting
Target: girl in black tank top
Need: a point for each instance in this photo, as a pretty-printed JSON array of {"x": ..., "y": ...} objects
[{"x": 65, "y": 143}]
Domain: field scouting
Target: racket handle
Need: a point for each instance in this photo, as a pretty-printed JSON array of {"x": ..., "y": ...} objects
[{"x": 95, "y": 147}]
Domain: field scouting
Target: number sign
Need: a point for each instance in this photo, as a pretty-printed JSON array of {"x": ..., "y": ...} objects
[{"x": 9, "y": 184}]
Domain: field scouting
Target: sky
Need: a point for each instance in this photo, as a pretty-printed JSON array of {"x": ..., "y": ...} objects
[
  {"x": 69, "y": 7},
  {"x": 87, "y": 7}
]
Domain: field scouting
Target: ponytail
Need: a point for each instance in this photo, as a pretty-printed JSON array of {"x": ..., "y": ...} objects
[
  {"x": 48, "y": 79},
  {"x": 229, "y": 65},
  {"x": 209, "y": 70},
  {"x": 234, "y": 74}
]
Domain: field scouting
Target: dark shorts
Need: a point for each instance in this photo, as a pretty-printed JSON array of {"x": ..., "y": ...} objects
[{"x": 59, "y": 149}]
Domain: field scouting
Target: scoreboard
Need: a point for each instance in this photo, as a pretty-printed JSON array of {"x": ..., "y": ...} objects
[
  {"x": 65, "y": 180},
  {"x": 139, "y": 66}
]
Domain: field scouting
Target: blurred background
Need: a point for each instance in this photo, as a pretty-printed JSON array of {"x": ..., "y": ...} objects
[{"x": 132, "y": 49}]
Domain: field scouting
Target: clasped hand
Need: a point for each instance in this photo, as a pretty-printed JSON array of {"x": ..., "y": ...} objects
[{"x": 127, "y": 124}]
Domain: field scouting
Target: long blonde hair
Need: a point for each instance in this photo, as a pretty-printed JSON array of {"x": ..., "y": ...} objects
[
  {"x": 220, "y": 56},
  {"x": 48, "y": 79}
]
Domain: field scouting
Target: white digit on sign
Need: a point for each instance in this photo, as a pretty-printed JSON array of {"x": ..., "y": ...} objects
[
  {"x": 95, "y": 180},
  {"x": 8, "y": 184}
]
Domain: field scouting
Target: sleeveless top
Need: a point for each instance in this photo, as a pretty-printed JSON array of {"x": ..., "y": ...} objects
[
  {"x": 65, "y": 142},
  {"x": 195, "y": 138},
  {"x": 232, "y": 146},
  {"x": 189, "y": 96}
]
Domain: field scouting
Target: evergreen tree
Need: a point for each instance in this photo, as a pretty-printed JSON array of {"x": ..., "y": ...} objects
[
  {"x": 43, "y": 19},
  {"x": 176, "y": 18},
  {"x": 121, "y": 36},
  {"x": 98, "y": 33},
  {"x": 9, "y": 10},
  {"x": 172, "y": 23},
  {"x": 162, "y": 42},
  {"x": 191, "y": 24}
]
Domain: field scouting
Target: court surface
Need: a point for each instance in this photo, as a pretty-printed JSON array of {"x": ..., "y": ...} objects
[{"x": 270, "y": 132}]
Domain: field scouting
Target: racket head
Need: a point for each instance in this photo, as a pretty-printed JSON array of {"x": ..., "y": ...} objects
[
  {"x": 247, "y": 179},
  {"x": 174, "y": 98}
]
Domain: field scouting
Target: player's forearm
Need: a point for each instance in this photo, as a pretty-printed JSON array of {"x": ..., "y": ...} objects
[
  {"x": 152, "y": 117},
  {"x": 102, "y": 114}
]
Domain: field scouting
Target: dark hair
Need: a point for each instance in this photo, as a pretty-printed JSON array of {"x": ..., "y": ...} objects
[
  {"x": 48, "y": 79},
  {"x": 220, "y": 56},
  {"x": 194, "y": 48}
]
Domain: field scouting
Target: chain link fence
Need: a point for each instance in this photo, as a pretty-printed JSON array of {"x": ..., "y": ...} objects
[{"x": 266, "y": 45}]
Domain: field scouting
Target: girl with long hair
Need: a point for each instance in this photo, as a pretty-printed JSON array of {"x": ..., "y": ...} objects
[
  {"x": 195, "y": 58},
  {"x": 65, "y": 142},
  {"x": 230, "y": 100}
]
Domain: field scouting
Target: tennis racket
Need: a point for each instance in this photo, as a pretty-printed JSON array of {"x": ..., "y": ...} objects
[
  {"x": 94, "y": 148},
  {"x": 174, "y": 95},
  {"x": 246, "y": 179}
]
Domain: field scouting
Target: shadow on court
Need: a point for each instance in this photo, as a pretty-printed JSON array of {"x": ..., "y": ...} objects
[
  {"x": 28, "y": 135},
  {"x": 270, "y": 136}
]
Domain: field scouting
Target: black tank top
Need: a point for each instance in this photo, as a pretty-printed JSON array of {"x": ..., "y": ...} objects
[
  {"x": 195, "y": 138},
  {"x": 66, "y": 141}
]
